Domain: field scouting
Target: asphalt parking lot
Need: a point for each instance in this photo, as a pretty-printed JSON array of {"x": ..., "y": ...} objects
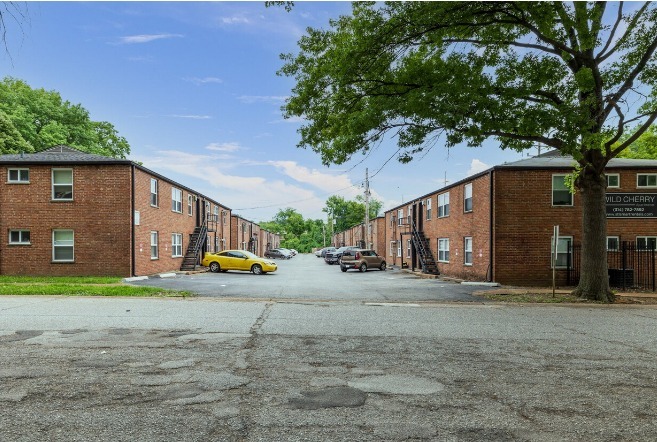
[{"x": 308, "y": 277}]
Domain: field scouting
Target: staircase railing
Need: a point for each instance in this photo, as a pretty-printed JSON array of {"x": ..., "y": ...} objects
[
  {"x": 421, "y": 244},
  {"x": 194, "y": 247}
]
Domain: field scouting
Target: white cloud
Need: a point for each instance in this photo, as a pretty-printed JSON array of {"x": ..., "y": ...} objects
[
  {"x": 146, "y": 38},
  {"x": 224, "y": 147},
  {"x": 205, "y": 80},
  {"x": 192, "y": 117},
  {"x": 235, "y": 20},
  {"x": 250, "y": 99},
  {"x": 327, "y": 182},
  {"x": 477, "y": 166}
]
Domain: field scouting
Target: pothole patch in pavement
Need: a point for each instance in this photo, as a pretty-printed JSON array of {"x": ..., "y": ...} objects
[
  {"x": 329, "y": 398},
  {"x": 397, "y": 384}
]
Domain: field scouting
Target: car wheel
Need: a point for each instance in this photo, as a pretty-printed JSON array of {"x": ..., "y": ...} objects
[
  {"x": 344, "y": 269},
  {"x": 383, "y": 266},
  {"x": 214, "y": 267},
  {"x": 256, "y": 269},
  {"x": 363, "y": 267}
]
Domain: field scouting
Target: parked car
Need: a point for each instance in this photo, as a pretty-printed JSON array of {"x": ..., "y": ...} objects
[
  {"x": 361, "y": 259},
  {"x": 292, "y": 252},
  {"x": 334, "y": 256},
  {"x": 278, "y": 253},
  {"x": 237, "y": 260}
]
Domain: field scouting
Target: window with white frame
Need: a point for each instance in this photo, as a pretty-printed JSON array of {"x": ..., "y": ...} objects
[
  {"x": 393, "y": 246},
  {"x": 561, "y": 195},
  {"x": 216, "y": 214},
  {"x": 399, "y": 249},
  {"x": 21, "y": 237},
  {"x": 467, "y": 251},
  {"x": 409, "y": 215},
  {"x": 62, "y": 184},
  {"x": 427, "y": 206},
  {"x": 62, "y": 245},
  {"x": 646, "y": 242},
  {"x": 154, "y": 189},
  {"x": 408, "y": 248},
  {"x": 176, "y": 245},
  {"x": 443, "y": 205},
  {"x": 613, "y": 180},
  {"x": 613, "y": 243},
  {"x": 18, "y": 176},
  {"x": 443, "y": 249},
  {"x": 467, "y": 197},
  {"x": 190, "y": 205},
  {"x": 646, "y": 180},
  {"x": 400, "y": 217},
  {"x": 176, "y": 200},
  {"x": 563, "y": 251},
  {"x": 154, "y": 245}
]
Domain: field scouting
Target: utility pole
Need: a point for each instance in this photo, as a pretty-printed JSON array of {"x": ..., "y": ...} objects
[{"x": 367, "y": 210}]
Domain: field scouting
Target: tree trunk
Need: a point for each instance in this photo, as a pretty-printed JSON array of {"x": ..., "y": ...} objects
[{"x": 593, "y": 282}]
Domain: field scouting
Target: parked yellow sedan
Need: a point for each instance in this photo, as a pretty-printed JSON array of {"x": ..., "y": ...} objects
[{"x": 238, "y": 260}]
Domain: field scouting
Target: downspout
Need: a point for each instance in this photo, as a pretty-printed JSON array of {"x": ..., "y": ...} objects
[
  {"x": 491, "y": 227},
  {"x": 132, "y": 224}
]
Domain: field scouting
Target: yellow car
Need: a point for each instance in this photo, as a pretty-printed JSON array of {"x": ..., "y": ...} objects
[{"x": 238, "y": 260}]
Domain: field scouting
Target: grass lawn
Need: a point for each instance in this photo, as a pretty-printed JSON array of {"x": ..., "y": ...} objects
[{"x": 79, "y": 286}]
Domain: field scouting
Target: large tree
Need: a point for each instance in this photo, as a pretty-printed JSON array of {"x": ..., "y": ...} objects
[
  {"x": 347, "y": 214},
  {"x": 571, "y": 76},
  {"x": 42, "y": 119}
]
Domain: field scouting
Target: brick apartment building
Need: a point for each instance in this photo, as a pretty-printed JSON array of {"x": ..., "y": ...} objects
[
  {"x": 498, "y": 225},
  {"x": 65, "y": 212},
  {"x": 357, "y": 236},
  {"x": 247, "y": 235}
]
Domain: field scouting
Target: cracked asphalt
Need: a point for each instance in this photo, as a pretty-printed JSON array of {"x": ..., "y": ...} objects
[{"x": 293, "y": 369}]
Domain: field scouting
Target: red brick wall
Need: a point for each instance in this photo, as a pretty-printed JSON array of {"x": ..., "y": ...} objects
[{"x": 99, "y": 215}]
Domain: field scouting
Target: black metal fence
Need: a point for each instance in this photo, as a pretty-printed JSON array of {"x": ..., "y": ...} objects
[{"x": 629, "y": 266}]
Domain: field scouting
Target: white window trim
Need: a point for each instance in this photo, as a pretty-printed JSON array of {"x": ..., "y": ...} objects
[
  {"x": 399, "y": 249},
  {"x": 647, "y": 186},
  {"x": 176, "y": 243},
  {"x": 176, "y": 200},
  {"x": 154, "y": 193},
  {"x": 54, "y": 246},
  {"x": 572, "y": 199},
  {"x": 466, "y": 251},
  {"x": 427, "y": 206},
  {"x": 400, "y": 217},
  {"x": 52, "y": 181},
  {"x": 190, "y": 205},
  {"x": 441, "y": 248},
  {"x": 20, "y": 175},
  {"x": 20, "y": 241},
  {"x": 393, "y": 246},
  {"x": 568, "y": 238},
  {"x": 646, "y": 238},
  {"x": 443, "y": 206},
  {"x": 408, "y": 248},
  {"x": 617, "y": 238},
  {"x": 465, "y": 197},
  {"x": 617, "y": 175},
  {"x": 155, "y": 235}
]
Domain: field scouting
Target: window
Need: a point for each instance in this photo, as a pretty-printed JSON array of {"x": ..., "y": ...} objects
[
  {"x": 62, "y": 245},
  {"x": 646, "y": 242},
  {"x": 19, "y": 237},
  {"x": 154, "y": 192},
  {"x": 561, "y": 195},
  {"x": 18, "y": 175},
  {"x": 393, "y": 246},
  {"x": 613, "y": 180},
  {"x": 216, "y": 214},
  {"x": 408, "y": 248},
  {"x": 154, "y": 246},
  {"x": 176, "y": 200},
  {"x": 467, "y": 251},
  {"x": 190, "y": 205},
  {"x": 467, "y": 197},
  {"x": 400, "y": 217},
  {"x": 612, "y": 243},
  {"x": 409, "y": 215},
  {"x": 443, "y": 249},
  {"x": 563, "y": 252},
  {"x": 427, "y": 205},
  {"x": 646, "y": 180},
  {"x": 176, "y": 245},
  {"x": 62, "y": 184},
  {"x": 399, "y": 249},
  {"x": 443, "y": 205}
]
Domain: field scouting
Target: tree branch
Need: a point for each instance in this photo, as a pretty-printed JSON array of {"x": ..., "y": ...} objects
[
  {"x": 612, "y": 34},
  {"x": 630, "y": 29},
  {"x": 635, "y": 135}
]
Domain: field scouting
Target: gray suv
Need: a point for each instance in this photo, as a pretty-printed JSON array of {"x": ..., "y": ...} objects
[{"x": 362, "y": 259}]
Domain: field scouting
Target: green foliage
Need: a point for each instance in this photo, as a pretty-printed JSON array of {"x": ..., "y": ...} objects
[
  {"x": 296, "y": 233},
  {"x": 32, "y": 120},
  {"x": 349, "y": 213},
  {"x": 645, "y": 146}
]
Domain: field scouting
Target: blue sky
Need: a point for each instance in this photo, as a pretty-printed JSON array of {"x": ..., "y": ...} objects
[{"x": 193, "y": 88}]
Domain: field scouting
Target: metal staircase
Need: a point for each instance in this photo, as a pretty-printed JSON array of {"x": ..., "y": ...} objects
[
  {"x": 423, "y": 250},
  {"x": 194, "y": 248}
]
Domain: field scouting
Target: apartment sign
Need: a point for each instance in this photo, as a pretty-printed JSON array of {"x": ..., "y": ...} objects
[{"x": 631, "y": 205}]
